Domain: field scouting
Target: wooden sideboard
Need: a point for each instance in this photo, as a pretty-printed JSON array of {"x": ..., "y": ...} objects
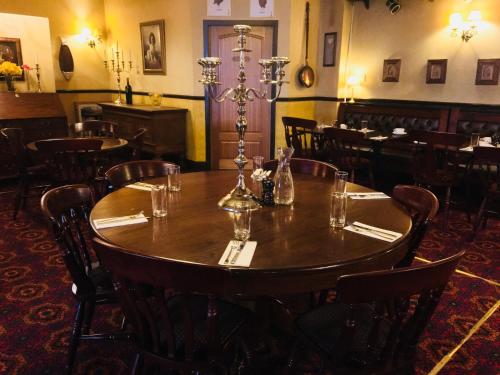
[
  {"x": 40, "y": 115},
  {"x": 166, "y": 126}
]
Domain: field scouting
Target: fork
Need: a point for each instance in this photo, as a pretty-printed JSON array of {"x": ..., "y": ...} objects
[
  {"x": 238, "y": 252},
  {"x": 120, "y": 218}
]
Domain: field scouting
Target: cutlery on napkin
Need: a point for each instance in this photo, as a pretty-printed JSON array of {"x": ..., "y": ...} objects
[
  {"x": 140, "y": 186},
  {"x": 238, "y": 253},
  {"x": 379, "y": 138},
  {"x": 368, "y": 195},
  {"x": 120, "y": 220},
  {"x": 374, "y": 232}
]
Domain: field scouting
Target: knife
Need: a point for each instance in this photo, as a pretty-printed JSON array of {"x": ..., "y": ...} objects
[
  {"x": 379, "y": 233},
  {"x": 238, "y": 252}
]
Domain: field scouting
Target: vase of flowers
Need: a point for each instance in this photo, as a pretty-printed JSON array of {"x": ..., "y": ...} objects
[{"x": 9, "y": 70}]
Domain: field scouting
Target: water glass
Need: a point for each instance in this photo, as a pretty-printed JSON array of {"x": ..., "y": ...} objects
[
  {"x": 258, "y": 162},
  {"x": 241, "y": 220},
  {"x": 174, "y": 178},
  {"x": 474, "y": 139},
  {"x": 159, "y": 200},
  {"x": 340, "y": 182},
  {"x": 338, "y": 210}
]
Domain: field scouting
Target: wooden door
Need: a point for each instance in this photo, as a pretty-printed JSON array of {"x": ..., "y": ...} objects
[{"x": 224, "y": 138}]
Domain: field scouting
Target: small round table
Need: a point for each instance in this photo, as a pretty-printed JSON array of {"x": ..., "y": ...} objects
[
  {"x": 297, "y": 251},
  {"x": 108, "y": 143}
]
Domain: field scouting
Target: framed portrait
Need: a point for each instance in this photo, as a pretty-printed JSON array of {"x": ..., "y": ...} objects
[
  {"x": 391, "y": 70},
  {"x": 153, "y": 47},
  {"x": 329, "y": 49},
  {"x": 218, "y": 8},
  {"x": 261, "y": 8},
  {"x": 10, "y": 50},
  {"x": 487, "y": 71},
  {"x": 436, "y": 71}
]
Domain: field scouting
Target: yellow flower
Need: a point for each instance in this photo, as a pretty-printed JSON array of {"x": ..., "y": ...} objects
[{"x": 11, "y": 69}]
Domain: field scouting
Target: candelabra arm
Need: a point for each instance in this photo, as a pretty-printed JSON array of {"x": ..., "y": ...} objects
[{"x": 222, "y": 96}]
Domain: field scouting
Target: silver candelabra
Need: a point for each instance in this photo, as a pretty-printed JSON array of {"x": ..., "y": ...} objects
[
  {"x": 117, "y": 66},
  {"x": 241, "y": 196}
]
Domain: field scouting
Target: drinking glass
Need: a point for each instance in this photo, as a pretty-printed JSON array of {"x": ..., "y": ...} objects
[
  {"x": 474, "y": 139},
  {"x": 338, "y": 204},
  {"x": 159, "y": 200},
  {"x": 241, "y": 220},
  {"x": 258, "y": 163},
  {"x": 174, "y": 178}
]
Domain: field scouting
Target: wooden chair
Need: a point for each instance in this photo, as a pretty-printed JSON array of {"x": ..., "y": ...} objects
[
  {"x": 346, "y": 148},
  {"x": 27, "y": 171},
  {"x": 138, "y": 170},
  {"x": 71, "y": 160},
  {"x": 136, "y": 143},
  {"x": 377, "y": 318},
  {"x": 306, "y": 166},
  {"x": 486, "y": 161},
  {"x": 182, "y": 326},
  {"x": 423, "y": 206},
  {"x": 94, "y": 128},
  {"x": 437, "y": 162},
  {"x": 68, "y": 208},
  {"x": 299, "y": 134}
]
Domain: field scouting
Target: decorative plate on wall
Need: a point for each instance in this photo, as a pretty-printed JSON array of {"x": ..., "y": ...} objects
[{"x": 66, "y": 63}]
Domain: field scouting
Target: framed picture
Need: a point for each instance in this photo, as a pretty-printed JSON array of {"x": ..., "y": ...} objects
[
  {"x": 218, "y": 8},
  {"x": 153, "y": 47},
  {"x": 261, "y": 8},
  {"x": 436, "y": 71},
  {"x": 10, "y": 50},
  {"x": 391, "y": 70},
  {"x": 487, "y": 71},
  {"x": 329, "y": 49}
]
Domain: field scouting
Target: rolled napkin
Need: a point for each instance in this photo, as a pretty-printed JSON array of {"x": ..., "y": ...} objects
[
  {"x": 140, "y": 186},
  {"x": 237, "y": 256},
  {"x": 367, "y": 195},
  {"x": 119, "y": 221},
  {"x": 374, "y": 232},
  {"x": 379, "y": 138}
]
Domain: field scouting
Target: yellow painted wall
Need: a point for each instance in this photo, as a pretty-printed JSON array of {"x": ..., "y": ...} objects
[{"x": 417, "y": 33}]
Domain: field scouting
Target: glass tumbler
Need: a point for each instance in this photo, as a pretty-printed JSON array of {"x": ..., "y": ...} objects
[
  {"x": 159, "y": 200},
  {"x": 338, "y": 203},
  {"x": 174, "y": 178},
  {"x": 242, "y": 219},
  {"x": 474, "y": 139},
  {"x": 258, "y": 163}
]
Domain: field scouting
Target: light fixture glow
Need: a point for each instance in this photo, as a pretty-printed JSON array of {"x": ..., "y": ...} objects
[
  {"x": 466, "y": 29},
  {"x": 90, "y": 38}
]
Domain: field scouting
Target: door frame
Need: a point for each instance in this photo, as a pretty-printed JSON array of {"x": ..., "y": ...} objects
[{"x": 272, "y": 128}]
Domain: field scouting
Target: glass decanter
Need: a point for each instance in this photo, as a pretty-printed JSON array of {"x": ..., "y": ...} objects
[{"x": 283, "y": 180}]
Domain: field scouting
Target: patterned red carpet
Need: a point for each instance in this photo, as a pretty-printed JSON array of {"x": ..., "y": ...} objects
[{"x": 37, "y": 308}]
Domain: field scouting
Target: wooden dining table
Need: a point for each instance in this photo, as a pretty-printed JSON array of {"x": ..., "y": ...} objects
[
  {"x": 297, "y": 250},
  {"x": 108, "y": 143}
]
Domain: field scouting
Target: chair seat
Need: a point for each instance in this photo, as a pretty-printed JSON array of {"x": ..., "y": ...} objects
[
  {"x": 231, "y": 318},
  {"x": 322, "y": 327},
  {"x": 101, "y": 280}
]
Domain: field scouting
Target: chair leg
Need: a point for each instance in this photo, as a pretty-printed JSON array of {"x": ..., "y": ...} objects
[
  {"x": 371, "y": 177},
  {"x": 479, "y": 217},
  {"x": 447, "y": 207},
  {"x": 75, "y": 337},
  {"x": 18, "y": 200},
  {"x": 87, "y": 316},
  {"x": 138, "y": 363}
]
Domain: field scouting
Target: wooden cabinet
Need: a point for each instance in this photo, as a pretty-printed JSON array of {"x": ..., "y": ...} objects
[
  {"x": 40, "y": 115},
  {"x": 166, "y": 126}
]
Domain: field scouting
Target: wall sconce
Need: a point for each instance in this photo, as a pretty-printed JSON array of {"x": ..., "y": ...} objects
[
  {"x": 466, "y": 29},
  {"x": 90, "y": 38},
  {"x": 352, "y": 82}
]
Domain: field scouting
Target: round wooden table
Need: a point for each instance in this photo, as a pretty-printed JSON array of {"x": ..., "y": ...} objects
[
  {"x": 297, "y": 250},
  {"x": 108, "y": 143}
]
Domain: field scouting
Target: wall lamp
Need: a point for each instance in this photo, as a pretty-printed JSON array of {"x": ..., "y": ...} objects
[
  {"x": 353, "y": 81},
  {"x": 466, "y": 29},
  {"x": 90, "y": 38}
]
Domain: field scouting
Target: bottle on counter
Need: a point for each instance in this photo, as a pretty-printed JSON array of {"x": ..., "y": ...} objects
[{"x": 128, "y": 92}]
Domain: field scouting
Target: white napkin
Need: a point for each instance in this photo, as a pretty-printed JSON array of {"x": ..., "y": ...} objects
[
  {"x": 379, "y": 138},
  {"x": 366, "y": 130},
  {"x": 368, "y": 195},
  {"x": 139, "y": 186},
  {"x": 244, "y": 258},
  {"x": 374, "y": 232},
  {"x": 119, "y": 221}
]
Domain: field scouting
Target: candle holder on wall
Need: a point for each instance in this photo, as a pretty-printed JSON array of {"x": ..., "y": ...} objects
[
  {"x": 241, "y": 94},
  {"x": 118, "y": 65}
]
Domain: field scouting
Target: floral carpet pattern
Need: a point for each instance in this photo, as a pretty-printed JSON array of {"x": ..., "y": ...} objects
[{"x": 37, "y": 308}]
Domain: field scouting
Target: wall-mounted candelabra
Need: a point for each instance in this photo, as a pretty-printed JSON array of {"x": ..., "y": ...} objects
[
  {"x": 38, "y": 85},
  {"x": 118, "y": 65},
  {"x": 241, "y": 94}
]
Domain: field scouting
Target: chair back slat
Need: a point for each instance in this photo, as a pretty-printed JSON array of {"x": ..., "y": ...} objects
[
  {"x": 15, "y": 140},
  {"x": 95, "y": 128},
  {"x": 306, "y": 166},
  {"x": 138, "y": 170},
  {"x": 68, "y": 208},
  {"x": 345, "y": 147},
  {"x": 299, "y": 134},
  {"x": 487, "y": 161}
]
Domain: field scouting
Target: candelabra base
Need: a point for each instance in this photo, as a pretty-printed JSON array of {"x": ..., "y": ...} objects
[
  {"x": 118, "y": 101},
  {"x": 239, "y": 198}
]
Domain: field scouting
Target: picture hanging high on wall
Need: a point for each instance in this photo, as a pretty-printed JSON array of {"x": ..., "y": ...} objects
[
  {"x": 329, "y": 49},
  {"x": 261, "y": 8},
  {"x": 10, "y": 50},
  {"x": 153, "y": 47},
  {"x": 487, "y": 71},
  {"x": 391, "y": 70},
  {"x": 221, "y": 8},
  {"x": 436, "y": 71}
]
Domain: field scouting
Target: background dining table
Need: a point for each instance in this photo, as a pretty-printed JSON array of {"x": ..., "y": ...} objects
[
  {"x": 108, "y": 143},
  {"x": 297, "y": 250}
]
